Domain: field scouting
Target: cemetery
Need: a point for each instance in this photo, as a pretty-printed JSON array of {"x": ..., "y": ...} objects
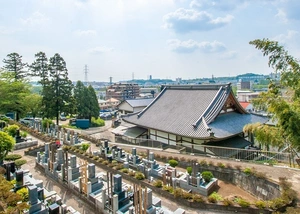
[
  {"x": 41, "y": 200},
  {"x": 67, "y": 164},
  {"x": 105, "y": 190}
]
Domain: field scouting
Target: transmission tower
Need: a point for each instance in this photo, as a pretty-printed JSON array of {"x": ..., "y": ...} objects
[{"x": 86, "y": 74}]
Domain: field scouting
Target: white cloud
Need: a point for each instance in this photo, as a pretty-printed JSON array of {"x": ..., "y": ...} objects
[
  {"x": 281, "y": 15},
  {"x": 223, "y": 5},
  {"x": 36, "y": 18},
  {"x": 284, "y": 37},
  {"x": 99, "y": 50},
  {"x": 228, "y": 55},
  {"x": 186, "y": 20},
  {"x": 85, "y": 33},
  {"x": 190, "y": 46}
]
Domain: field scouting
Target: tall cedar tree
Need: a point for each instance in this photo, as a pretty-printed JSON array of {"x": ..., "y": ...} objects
[
  {"x": 39, "y": 68},
  {"x": 80, "y": 95},
  {"x": 282, "y": 100},
  {"x": 13, "y": 63},
  {"x": 58, "y": 90},
  {"x": 94, "y": 108},
  {"x": 86, "y": 101}
]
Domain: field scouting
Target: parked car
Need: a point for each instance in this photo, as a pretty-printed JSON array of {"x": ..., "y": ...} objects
[
  {"x": 26, "y": 121},
  {"x": 4, "y": 117},
  {"x": 62, "y": 118}
]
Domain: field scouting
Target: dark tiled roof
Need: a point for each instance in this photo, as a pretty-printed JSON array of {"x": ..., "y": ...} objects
[
  {"x": 232, "y": 123},
  {"x": 139, "y": 102},
  {"x": 189, "y": 111}
]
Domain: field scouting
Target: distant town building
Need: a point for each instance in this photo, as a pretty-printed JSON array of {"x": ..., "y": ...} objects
[
  {"x": 108, "y": 104},
  {"x": 123, "y": 91},
  {"x": 131, "y": 106},
  {"x": 246, "y": 96},
  {"x": 148, "y": 92},
  {"x": 242, "y": 85}
]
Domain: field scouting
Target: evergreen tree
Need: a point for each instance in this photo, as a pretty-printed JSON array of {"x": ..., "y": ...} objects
[
  {"x": 57, "y": 93},
  {"x": 86, "y": 101},
  {"x": 13, "y": 63},
  {"x": 81, "y": 95},
  {"x": 40, "y": 67},
  {"x": 94, "y": 108}
]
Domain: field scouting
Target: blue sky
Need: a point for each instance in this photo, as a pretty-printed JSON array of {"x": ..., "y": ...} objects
[{"x": 163, "y": 38}]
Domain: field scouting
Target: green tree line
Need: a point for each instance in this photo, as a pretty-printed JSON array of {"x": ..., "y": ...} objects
[{"x": 58, "y": 95}]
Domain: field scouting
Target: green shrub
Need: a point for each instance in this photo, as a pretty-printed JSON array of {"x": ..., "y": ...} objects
[
  {"x": 242, "y": 202},
  {"x": 207, "y": 176},
  {"x": 12, "y": 157},
  {"x": 187, "y": 195},
  {"x": 20, "y": 162},
  {"x": 23, "y": 134},
  {"x": 221, "y": 165},
  {"x": 168, "y": 188},
  {"x": 118, "y": 166},
  {"x": 13, "y": 182},
  {"x": 11, "y": 130},
  {"x": 158, "y": 183},
  {"x": 97, "y": 122},
  {"x": 198, "y": 198},
  {"x": 261, "y": 204},
  {"x": 105, "y": 162},
  {"x": 23, "y": 192},
  {"x": 139, "y": 176},
  {"x": 189, "y": 170},
  {"x": 227, "y": 202},
  {"x": 125, "y": 170},
  {"x": 203, "y": 163},
  {"x": 214, "y": 197},
  {"x": 173, "y": 163},
  {"x": 276, "y": 203},
  {"x": 178, "y": 193},
  {"x": 248, "y": 171},
  {"x": 45, "y": 122},
  {"x": 85, "y": 146}
]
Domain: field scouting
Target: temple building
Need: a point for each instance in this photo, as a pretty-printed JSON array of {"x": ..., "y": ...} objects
[{"x": 195, "y": 114}]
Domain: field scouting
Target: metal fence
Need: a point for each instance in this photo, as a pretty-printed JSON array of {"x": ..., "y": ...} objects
[{"x": 251, "y": 155}]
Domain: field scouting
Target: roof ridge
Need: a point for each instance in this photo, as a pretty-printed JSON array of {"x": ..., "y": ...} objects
[
  {"x": 208, "y": 108},
  {"x": 198, "y": 86}
]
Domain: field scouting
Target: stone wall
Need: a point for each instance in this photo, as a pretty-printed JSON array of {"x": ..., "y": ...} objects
[
  {"x": 26, "y": 144},
  {"x": 259, "y": 187}
]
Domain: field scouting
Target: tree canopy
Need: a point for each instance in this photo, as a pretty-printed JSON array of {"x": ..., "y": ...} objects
[
  {"x": 13, "y": 63},
  {"x": 56, "y": 86},
  {"x": 86, "y": 101},
  {"x": 6, "y": 144},
  {"x": 281, "y": 100},
  {"x": 13, "y": 94}
]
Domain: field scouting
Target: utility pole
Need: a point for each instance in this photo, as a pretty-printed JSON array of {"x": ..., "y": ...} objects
[{"x": 86, "y": 74}]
